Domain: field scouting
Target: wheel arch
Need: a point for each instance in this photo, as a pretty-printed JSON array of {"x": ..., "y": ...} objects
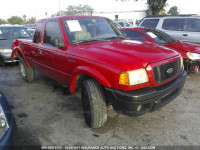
[
  {"x": 81, "y": 73},
  {"x": 19, "y": 53}
]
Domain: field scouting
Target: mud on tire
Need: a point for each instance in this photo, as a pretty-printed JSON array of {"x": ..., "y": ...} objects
[{"x": 27, "y": 73}]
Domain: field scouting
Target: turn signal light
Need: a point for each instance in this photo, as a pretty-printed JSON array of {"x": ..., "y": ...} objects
[{"x": 124, "y": 78}]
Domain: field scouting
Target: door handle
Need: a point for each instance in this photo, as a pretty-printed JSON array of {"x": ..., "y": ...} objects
[
  {"x": 185, "y": 34},
  {"x": 40, "y": 51}
]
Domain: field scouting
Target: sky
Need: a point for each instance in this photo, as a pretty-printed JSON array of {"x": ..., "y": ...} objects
[{"x": 37, "y": 8}]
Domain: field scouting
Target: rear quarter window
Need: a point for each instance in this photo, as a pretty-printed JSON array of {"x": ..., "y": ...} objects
[
  {"x": 191, "y": 25},
  {"x": 151, "y": 23}
]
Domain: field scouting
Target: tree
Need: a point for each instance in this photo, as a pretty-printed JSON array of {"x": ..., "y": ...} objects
[
  {"x": 75, "y": 10},
  {"x": 24, "y": 18},
  {"x": 31, "y": 20},
  {"x": 161, "y": 12},
  {"x": 2, "y": 21},
  {"x": 173, "y": 10},
  {"x": 154, "y": 6},
  {"x": 15, "y": 20},
  {"x": 71, "y": 10}
]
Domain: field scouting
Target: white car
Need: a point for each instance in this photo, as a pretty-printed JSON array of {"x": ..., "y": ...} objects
[{"x": 182, "y": 27}]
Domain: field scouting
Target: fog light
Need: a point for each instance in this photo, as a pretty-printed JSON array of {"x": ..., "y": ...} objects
[{"x": 139, "y": 108}]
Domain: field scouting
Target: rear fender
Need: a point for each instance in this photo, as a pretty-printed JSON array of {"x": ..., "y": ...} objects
[
  {"x": 86, "y": 71},
  {"x": 19, "y": 53}
]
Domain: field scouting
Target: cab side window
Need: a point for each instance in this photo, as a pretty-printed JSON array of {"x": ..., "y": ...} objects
[
  {"x": 134, "y": 35},
  {"x": 172, "y": 24},
  {"x": 53, "y": 35},
  {"x": 38, "y": 30}
]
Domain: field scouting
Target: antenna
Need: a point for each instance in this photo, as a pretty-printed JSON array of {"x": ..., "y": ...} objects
[{"x": 59, "y": 9}]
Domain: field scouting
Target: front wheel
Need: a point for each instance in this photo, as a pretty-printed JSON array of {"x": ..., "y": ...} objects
[
  {"x": 94, "y": 104},
  {"x": 27, "y": 73}
]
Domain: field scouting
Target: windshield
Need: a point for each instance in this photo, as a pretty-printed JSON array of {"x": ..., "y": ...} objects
[
  {"x": 13, "y": 33},
  {"x": 158, "y": 36},
  {"x": 80, "y": 30}
]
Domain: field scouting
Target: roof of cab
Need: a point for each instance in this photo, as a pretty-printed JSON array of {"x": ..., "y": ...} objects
[{"x": 66, "y": 17}]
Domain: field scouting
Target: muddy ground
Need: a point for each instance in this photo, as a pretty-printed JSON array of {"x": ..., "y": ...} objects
[{"x": 46, "y": 114}]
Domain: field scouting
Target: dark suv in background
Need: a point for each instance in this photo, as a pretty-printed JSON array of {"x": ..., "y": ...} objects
[{"x": 181, "y": 27}]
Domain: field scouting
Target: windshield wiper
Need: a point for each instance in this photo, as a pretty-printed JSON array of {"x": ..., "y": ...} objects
[
  {"x": 116, "y": 37},
  {"x": 86, "y": 41}
]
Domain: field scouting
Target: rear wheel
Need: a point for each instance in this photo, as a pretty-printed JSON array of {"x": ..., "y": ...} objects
[
  {"x": 27, "y": 73},
  {"x": 94, "y": 104}
]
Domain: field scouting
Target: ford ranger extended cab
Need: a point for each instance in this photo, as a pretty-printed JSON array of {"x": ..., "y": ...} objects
[{"x": 89, "y": 53}]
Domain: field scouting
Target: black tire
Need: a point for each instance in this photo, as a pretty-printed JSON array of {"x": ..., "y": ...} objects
[
  {"x": 94, "y": 104},
  {"x": 2, "y": 63},
  {"x": 27, "y": 73}
]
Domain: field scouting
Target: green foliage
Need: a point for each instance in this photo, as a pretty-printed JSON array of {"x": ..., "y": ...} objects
[
  {"x": 74, "y": 10},
  {"x": 155, "y": 7},
  {"x": 173, "y": 11},
  {"x": 161, "y": 12},
  {"x": 24, "y": 18},
  {"x": 31, "y": 20},
  {"x": 15, "y": 20},
  {"x": 2, "y": 21},
  {"x": 19, "y": 20}
]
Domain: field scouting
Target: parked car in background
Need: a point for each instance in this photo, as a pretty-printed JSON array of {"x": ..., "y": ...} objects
[
  {"x": 31, "y": 30},
  {"x": 117, "y": 24},
  {"x": 123, "y": 24},
  {"x": 7, "y": 124},
  {"x": 91, "y": 54},
  {"x": 8, "y": 33},
  {"x": 181, "y": 27},
  {"x": 27, "y": 26},
  {"x": 190, "y": 52}
]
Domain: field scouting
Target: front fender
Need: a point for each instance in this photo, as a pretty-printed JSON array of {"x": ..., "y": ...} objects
[
  {"x": 87, "y": 71},
  {"x": 16, "y": 52}
]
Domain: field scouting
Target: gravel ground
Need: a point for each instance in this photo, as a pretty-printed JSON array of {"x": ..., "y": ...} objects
[{"x": 46, "y": 114}]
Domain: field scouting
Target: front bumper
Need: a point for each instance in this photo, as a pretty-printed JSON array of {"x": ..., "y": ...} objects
[
  {"x": 6, "y": 58},
  {"x": 138, "y": 102}
]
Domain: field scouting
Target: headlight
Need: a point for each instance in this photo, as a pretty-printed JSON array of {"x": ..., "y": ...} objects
[
  {"x": 193, "y": 56},
  {"x": 3, "y": 123},
  {"x": 133, "y": 77},
  {"x": 5, "y": 50}
]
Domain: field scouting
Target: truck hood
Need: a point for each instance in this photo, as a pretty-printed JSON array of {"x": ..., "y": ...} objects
[
  {"x": 6, "y": 44},
  {"x": 184, "y": 46},
  {"x": 128, "y": 54}
]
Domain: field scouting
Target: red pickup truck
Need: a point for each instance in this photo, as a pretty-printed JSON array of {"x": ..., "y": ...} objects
[{"x": 90, "y": 53}]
